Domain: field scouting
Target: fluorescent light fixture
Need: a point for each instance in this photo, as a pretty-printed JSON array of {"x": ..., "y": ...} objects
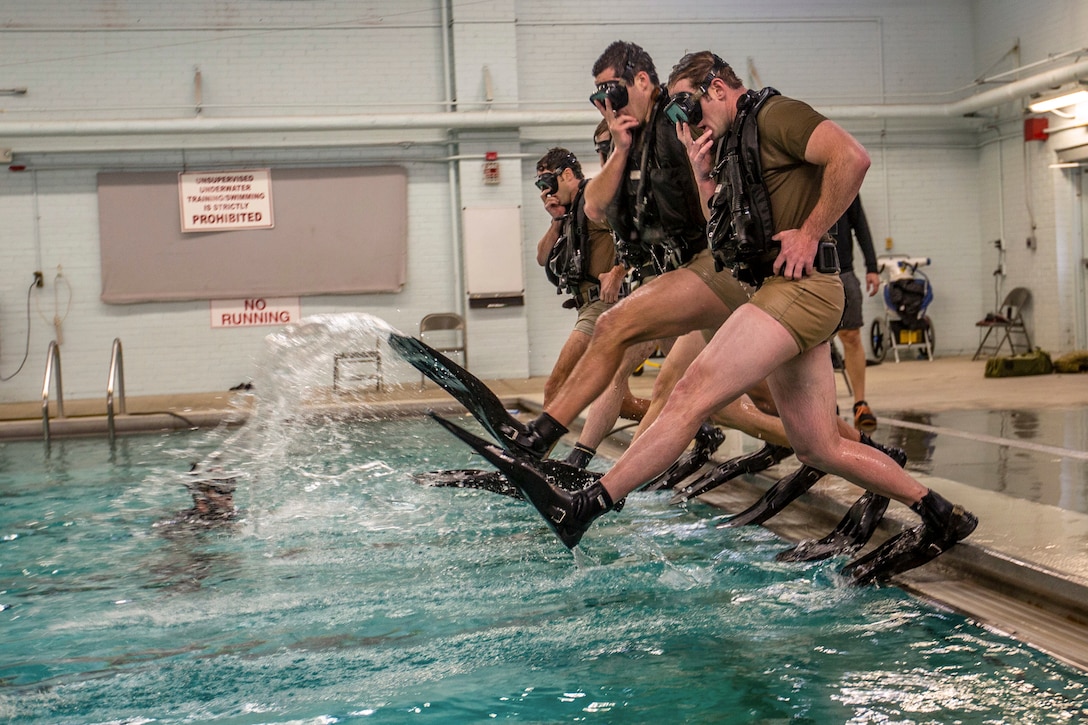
[{"x": 1066, "y": 98}]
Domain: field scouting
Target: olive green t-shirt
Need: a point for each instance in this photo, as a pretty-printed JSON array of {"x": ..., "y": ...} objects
[
  {"x": 602, "y": 248},
  {"x": 785, "y": 126}
]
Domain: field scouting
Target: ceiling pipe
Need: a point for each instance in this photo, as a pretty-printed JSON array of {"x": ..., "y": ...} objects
[
  {"x": 491, "y": 119},
  {"x": 373, "y": 122},
  {"x": 1012, "y": 91}
]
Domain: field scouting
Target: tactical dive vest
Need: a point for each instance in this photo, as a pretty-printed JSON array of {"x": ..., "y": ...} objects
[
  {"x": 568, "y": 261},
  {"x": 741, "y": 225},
  {"x": 656, "y": 214}
]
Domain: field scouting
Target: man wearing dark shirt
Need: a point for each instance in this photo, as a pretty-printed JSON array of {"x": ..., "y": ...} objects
[{"x": 853, "y": 223}]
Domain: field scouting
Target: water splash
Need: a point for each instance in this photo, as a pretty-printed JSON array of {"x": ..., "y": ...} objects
[{"x": 293, "y": 418}]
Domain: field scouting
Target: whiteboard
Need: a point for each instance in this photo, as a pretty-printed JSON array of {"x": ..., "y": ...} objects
[{"x": 493, "y": 255}]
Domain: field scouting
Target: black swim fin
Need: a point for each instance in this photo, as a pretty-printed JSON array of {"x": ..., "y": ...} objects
[
  {"x": 466, "y": 388},
  {"x": 707, "y": 440},
  {"x": 857, "y": 526},
  {"x": 568, "y": 513},
  {"x": 776, "y": 498},
  {"x": 943, "y": 525},
  {"x": 496, "y": 482},
  {"x": 852, "y": 533},
  {"x": 492, "y": 481},
  {"x": 760, "y": 460}
]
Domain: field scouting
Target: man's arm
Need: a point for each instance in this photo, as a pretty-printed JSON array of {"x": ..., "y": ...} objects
[
  {"x": 844, "y": 163},
  {"x": 701, "y": 157},
  {"x": 611, "y": 283},
  {"x": 602, "y": 188},
  {"x": 544, "y": 246},
  {"x": 861, "y": 231},
  {"x": 865, "y": 241}
]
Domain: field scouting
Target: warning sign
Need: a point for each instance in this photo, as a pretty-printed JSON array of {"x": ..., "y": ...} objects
[
  {"x": 255, "y": 312},
  {"x": 213, "y": 201}
]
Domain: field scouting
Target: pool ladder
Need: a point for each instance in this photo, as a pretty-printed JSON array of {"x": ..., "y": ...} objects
[
  {"x": 115, "y": 382},
  {"x": 115, "y": 386},
  {"x": 52, "y": 363}
]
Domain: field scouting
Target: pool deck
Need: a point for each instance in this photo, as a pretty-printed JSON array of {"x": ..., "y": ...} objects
[{"x": 1023, "y": 572}]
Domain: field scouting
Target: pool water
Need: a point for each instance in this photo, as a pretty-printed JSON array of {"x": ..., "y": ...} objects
[{"x": 345, "y": 592}]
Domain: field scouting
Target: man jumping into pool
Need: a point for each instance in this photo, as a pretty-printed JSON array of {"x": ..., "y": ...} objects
[{"x": 771, "y": 209}]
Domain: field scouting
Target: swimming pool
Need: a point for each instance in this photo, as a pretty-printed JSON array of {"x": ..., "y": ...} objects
[{"x": 343, "y": 591}]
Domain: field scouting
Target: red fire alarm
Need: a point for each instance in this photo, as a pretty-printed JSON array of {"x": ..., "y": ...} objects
[
  {"x": 1035, "y": 128},
  {"x": 491, "y": 168}
]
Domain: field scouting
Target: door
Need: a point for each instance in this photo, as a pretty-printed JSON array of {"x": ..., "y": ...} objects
[{"x": 1080, "y": 251}]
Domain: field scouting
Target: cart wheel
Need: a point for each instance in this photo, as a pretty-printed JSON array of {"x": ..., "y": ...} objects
[
  {"x": 878, "y": 340},
  {"x": 931, "y": 335}
]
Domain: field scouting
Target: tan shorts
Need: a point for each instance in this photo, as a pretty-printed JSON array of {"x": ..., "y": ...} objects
[
  {"x": 588, "y": 314},
  {"x": 810, "y": 308},
  {"x": 727, "y": 287}
]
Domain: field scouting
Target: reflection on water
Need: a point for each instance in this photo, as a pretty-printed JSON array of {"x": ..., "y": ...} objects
[
  {"x": 918, "y": 444},
  {"x": 1038, "y": 470}
]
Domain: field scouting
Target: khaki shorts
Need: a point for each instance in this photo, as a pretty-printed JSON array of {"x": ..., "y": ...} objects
[
  {"x": 727, "y": 287},
  {"x": 810, "y": 308},
  {"x": 587, "y": 316}
]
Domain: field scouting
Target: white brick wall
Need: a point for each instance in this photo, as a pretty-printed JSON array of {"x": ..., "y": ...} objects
[{"x": 946, "y": 193}]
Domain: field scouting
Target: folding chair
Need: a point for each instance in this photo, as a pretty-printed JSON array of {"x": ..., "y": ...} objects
[
  {"x": 1008, "y": 320},
  {"x": 455, "y": 340}
]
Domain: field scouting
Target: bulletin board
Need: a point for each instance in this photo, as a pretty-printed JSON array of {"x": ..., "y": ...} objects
[
  {"x": 337, "y": 231},
  {"x": 494, "y": 275}
]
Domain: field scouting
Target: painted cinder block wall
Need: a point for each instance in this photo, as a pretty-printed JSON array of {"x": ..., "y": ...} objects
[{"x": 944, "y": 190}]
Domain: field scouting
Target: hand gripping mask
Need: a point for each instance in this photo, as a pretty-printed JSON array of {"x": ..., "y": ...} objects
[{"x": 614, "y": 91}]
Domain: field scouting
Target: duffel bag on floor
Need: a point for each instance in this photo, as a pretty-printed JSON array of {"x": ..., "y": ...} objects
[{"x": 1036, "y": 362}]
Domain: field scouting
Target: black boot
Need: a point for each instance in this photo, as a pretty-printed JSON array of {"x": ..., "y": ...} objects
[
  {"x": 708, "y": 438},
  {"x": 943, "y": 524},
  {"x": 580, "y": 456},
  {"x": 539, "y": 436},
  {"x": 896, "y": 454},
  {"x": 952, "y": 521},
  {"x": 568, "y": 512},
  {"x": 570, "y": 519}
]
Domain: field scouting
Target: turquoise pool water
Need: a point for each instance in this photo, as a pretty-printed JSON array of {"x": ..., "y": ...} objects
[{"x": 344, "y": 592}]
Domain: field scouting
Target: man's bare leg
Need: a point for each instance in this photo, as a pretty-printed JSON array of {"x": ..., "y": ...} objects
[
  {"x": 853, "y": 355},
  {"x": 603, "y": 413},
  {"x": 670, "y": 305},
  {"x": 573, "y": 349}
]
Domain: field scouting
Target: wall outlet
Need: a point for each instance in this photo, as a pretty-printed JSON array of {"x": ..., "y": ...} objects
[{"x": 5, "y": 155}]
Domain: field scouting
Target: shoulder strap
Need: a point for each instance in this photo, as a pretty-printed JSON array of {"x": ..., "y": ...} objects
[
  {"x": 747, "y": 136},
  {"x": 581, "y": 227}
]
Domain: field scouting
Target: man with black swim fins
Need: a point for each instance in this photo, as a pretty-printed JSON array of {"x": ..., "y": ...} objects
[{"x": 770, "y": 212}]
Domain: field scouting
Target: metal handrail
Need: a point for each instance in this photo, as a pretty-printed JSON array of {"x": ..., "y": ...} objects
[
  {"x": 52, "y": 360},
  {"x": 115, "y": 381}
]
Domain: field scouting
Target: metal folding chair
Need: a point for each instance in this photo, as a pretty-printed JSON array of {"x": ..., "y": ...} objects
[
  {"x": 452, "y": 333},
  {"x": 1008, "y": 321}
]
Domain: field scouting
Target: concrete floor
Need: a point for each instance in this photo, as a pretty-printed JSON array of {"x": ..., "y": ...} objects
[{"x": 974, "y": 439}]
